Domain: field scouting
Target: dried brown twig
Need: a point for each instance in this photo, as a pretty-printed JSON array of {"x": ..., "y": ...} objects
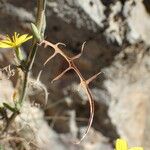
[{"x": 71, "y": 66}]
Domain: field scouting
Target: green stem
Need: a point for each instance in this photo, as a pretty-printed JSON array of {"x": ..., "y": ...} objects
[
  {"x": 40, "y": 23},
  {"x": 19, "y": 53}
]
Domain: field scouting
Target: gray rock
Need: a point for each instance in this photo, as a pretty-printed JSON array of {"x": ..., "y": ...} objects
[{"x": 129, "y": 89}]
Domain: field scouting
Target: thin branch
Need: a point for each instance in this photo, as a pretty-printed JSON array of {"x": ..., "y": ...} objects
[
  {"x": 93, "y": 78},
  {"x": 60, "y": 75},
  {"x": 79, "y": 55},
  {"x": 84, "y": 83}
]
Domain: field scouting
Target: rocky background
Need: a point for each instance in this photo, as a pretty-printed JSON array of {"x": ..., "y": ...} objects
[{"x": 117, "y": 34}]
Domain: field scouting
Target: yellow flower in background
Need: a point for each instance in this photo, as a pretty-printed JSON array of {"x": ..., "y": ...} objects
[
  {"x": 15, "y": 41},
  {"x": 121, "y": 144}
]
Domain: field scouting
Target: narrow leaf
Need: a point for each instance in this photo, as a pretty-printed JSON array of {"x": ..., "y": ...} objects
[
  {"x": 9, "y": 107},
  {"x": 36, "y": 32}
]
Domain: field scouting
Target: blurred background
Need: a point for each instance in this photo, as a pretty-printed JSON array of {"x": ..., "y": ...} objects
[{"x": 117, "y": 34}]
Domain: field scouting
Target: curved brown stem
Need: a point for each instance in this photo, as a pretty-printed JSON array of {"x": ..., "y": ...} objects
[{"x": 84, "y": 83}]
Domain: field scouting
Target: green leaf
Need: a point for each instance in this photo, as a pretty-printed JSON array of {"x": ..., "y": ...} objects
[
  {"x": 9, "y": 107},
  {"x": 36, "y": 32}
]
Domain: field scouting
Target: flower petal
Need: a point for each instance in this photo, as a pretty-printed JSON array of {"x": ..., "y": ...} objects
[
  {"x": 136, "y": 148},
  {"x": 6, "y": 44},
  {"x": 121, "y": 144},
  {"x": 28, "y": 38},
  {"x": 23, "y": 38},
  {"x": 8, "y": 39}
]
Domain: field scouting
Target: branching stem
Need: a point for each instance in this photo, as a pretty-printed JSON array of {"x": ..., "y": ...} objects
[{"x": 71, "y": 66}]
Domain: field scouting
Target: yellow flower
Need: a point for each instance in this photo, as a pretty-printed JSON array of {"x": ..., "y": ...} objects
[
  {"x": 15, "y": 41},
  {"x": 121, "y": 144}
]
